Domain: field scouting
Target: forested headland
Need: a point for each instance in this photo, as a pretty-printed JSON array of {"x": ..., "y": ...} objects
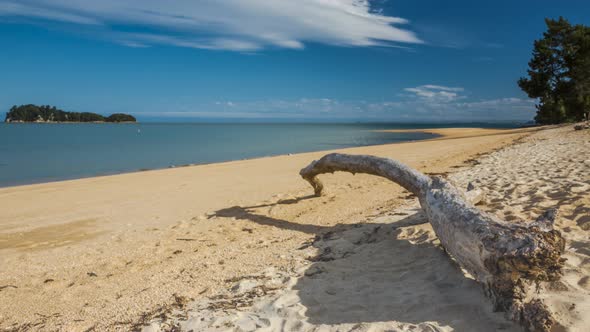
[{"x": 46, "y": 113}]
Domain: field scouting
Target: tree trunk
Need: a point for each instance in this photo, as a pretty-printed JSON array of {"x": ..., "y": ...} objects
[{"x": 508, "y": 259}]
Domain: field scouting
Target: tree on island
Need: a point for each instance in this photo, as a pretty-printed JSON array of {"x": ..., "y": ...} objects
[
  {"x": 120, "y": 117},
  {"x": 46, "y": 113},
  {"x": 559, "y": 73}
]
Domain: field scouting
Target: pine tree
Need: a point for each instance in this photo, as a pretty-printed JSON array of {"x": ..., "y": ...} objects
[{"x": 559, "y": 73}]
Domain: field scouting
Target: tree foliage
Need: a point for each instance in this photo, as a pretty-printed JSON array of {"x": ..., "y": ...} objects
[
  {"x": 559, "y": 73},
  {"x": 46, "y": 113},
  {"x": 120, "y": 117}
]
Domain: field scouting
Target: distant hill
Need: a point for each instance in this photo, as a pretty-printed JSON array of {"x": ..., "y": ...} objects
[{"x": 46, "y": 113}]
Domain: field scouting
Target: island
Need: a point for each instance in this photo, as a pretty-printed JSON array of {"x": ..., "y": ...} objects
[{"x": 50, "y": 114}]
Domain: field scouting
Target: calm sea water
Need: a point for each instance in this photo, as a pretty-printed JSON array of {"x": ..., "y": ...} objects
[{"x": 33, "y": 153}]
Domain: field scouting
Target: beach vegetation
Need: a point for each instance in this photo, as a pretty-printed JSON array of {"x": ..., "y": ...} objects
[
  {"x": 46, "y": 113},
  {"x": 559, "y": 73},
  {"x": 120, "y": 117}
]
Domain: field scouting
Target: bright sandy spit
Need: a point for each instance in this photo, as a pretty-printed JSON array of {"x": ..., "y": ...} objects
[{"x": 233, "y": 246}]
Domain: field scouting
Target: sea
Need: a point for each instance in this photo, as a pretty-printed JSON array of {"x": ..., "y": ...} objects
[{"x": 35, "y": 153}]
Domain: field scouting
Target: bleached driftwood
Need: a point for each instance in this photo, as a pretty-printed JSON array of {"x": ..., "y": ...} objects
[{"x": 508, "y": 259}]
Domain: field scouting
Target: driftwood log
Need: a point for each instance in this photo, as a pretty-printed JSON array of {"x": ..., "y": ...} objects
[{"x": 508, "y": 259}]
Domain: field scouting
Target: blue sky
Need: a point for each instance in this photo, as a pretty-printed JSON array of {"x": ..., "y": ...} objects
[{"x": 341, "y": 60}]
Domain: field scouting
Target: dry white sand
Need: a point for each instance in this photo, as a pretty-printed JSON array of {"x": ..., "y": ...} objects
[
  {"x": 232, "y": 245},
  {"x": 384, "y": 276},
  {"x": 374, "y": 276}
]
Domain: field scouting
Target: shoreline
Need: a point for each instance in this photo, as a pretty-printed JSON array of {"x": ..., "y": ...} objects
[
  {"x": 97, "y": 251},
  {"x": 442, "y": 134},
  {"x": 453, "y": 133}
]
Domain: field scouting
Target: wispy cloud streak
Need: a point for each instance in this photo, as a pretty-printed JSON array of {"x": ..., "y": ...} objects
[
  {"x": 436, "y": 93},
  {"x": 239, "y": 25}
]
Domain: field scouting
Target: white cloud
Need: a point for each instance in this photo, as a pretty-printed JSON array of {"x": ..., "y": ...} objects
[
  {"x": 10, "y": 8},
  {"x": 240, "y": 25},
  {"x": 501, "y": 104},
  {"x": 408, "y": 109},
  {"x": 279, "y": 106},
  {"x": 502, "y": 109},
  {"x": 436, "y": 93},
  {"x": 441, "y": 88}
]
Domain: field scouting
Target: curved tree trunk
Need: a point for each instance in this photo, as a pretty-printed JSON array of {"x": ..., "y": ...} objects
[{"x": 508, "y": 259}]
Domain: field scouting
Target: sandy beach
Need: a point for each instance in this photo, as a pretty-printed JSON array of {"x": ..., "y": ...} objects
[{"x": 244, "y": 245}]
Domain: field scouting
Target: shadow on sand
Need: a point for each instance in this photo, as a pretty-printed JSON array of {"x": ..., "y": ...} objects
[{"x": 384, "y": 272}]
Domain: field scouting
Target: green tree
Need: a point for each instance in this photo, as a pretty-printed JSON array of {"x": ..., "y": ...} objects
[
  {"x": 580, "y": 70},
  {"x": 33, "y": 113},
  {"x": 559, "y": 73},
  {"x": 120, "y": 117}
]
